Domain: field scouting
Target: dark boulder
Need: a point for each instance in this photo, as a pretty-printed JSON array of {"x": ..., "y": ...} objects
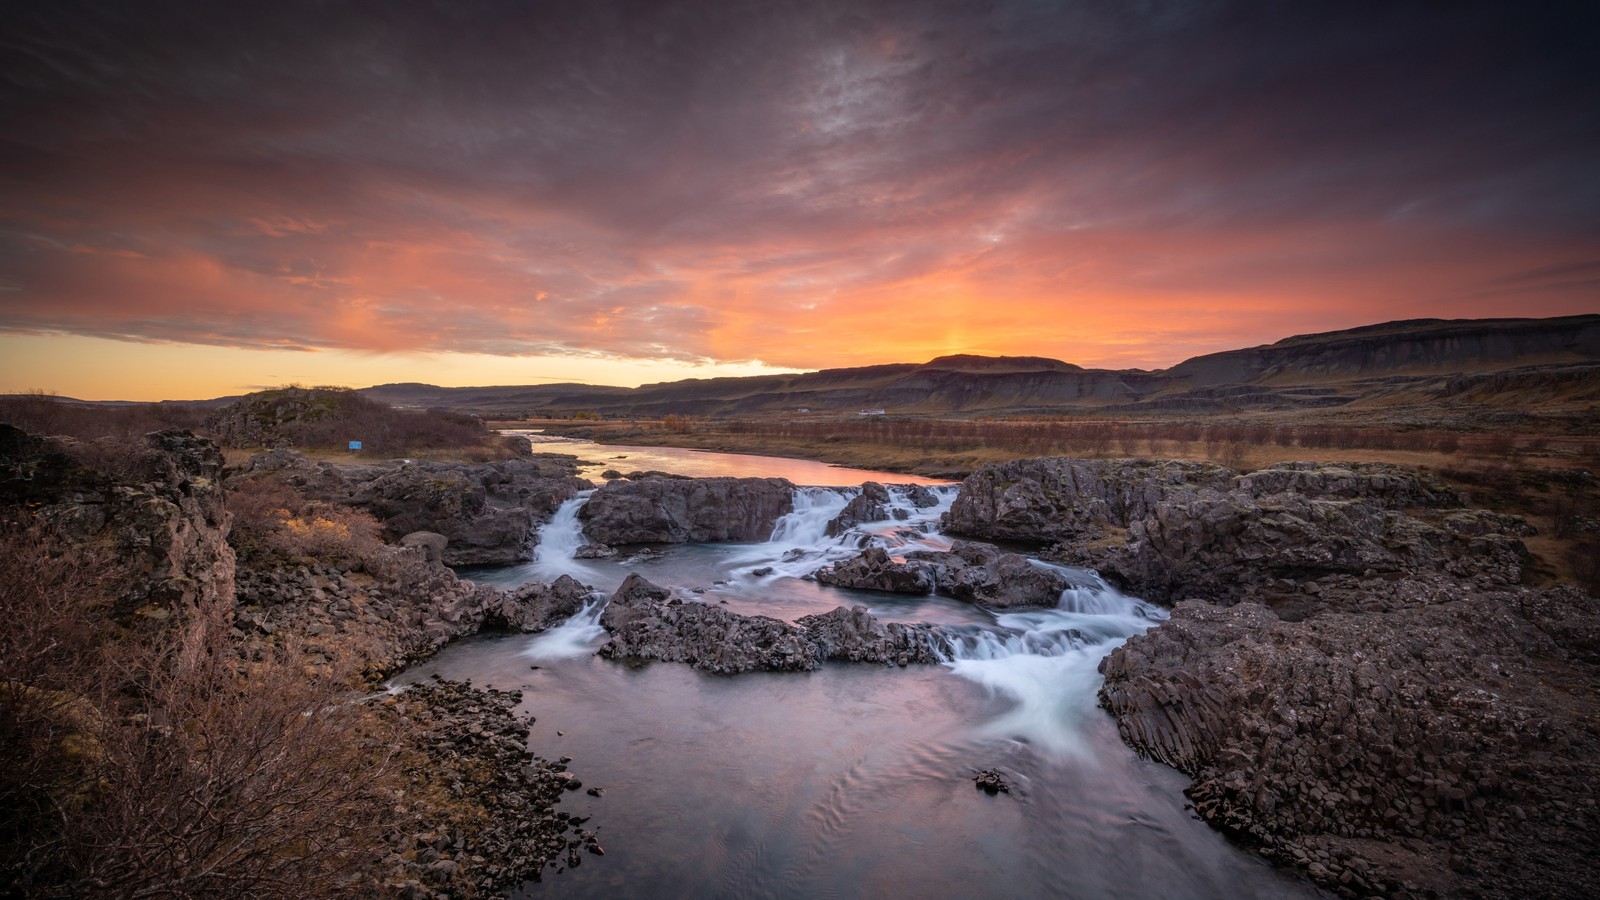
[
  {"x": 659, "y": 510},
  {"x": 873, "y": 570}
]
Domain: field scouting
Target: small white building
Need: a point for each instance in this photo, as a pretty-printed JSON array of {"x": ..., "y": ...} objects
[{"x": 876, "y": 411}]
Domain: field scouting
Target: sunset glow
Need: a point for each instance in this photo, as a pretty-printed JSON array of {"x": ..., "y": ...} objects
[{"x": 594, "y": 193}]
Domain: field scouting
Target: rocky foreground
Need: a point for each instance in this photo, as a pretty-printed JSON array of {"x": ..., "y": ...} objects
[
  {"x": 1354, "y": 674},
  {"x": 484, "y": 808}
]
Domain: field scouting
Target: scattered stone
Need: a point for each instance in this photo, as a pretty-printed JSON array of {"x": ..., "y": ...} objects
[{"x": 991, "y": 782}]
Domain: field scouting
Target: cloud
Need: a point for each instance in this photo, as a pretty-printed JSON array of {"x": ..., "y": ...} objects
[{"x": 809, "y": 185}]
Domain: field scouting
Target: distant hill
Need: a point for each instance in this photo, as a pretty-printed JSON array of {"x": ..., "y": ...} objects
[{"x": 1489, "y": 361}]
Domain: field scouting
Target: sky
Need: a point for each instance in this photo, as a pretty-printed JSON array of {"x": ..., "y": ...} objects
[{"x": 200, "y": 198}]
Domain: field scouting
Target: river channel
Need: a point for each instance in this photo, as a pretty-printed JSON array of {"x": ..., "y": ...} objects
[{"x": 855, "y": 780}]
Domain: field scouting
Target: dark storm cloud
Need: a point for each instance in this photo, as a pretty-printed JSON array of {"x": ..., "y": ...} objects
[{"x": 672, "y": 179}]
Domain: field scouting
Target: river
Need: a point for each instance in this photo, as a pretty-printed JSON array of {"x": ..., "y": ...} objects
[{"x": 855, "y": 780}]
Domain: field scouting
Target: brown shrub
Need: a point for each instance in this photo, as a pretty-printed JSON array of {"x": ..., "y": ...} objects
[
  {"x": 165, "y": 768},
  {"x": 272, "y": 519},
  {"x": 42, "y": 413}
]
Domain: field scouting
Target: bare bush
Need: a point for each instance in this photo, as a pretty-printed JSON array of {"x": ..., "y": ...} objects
[
  {"x": 42, "y": 413},
  {"x": 166, "y": 768}
]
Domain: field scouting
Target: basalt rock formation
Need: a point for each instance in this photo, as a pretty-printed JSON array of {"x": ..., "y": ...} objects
[
  {"x": 1355, "y": 678},
  {"x": 970, "y": 571},
  {"x": 647, "y": 622},
  {"x": 158, "y": 508},
  {"x": 488, "y": 513},
  {"x": 396, "y": 607},
  {"x": 1169, "y": 530},
  {"x": 873, "y": 570},
  {"x": 1443, "y": 742},
  {"x": 656, "y": 509},
  {"x": 871, "y": 505}
]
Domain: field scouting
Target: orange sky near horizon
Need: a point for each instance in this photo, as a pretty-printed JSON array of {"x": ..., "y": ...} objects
[{"x": 505, "y": 195}]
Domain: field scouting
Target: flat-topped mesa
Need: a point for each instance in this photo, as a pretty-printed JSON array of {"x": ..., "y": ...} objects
[
  {"x": 656, "y": 509},
  {"x": 1168, "y": 530},
  {"x": 647, "y": 622}
]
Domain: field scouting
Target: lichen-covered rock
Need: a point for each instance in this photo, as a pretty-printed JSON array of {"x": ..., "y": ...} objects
[
  {"x": 1374, "y": 747},
  {"x": 652, "y": 509}
]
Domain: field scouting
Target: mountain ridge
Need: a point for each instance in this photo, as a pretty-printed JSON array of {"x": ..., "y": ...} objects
[{"x": 1415, "y": 357}]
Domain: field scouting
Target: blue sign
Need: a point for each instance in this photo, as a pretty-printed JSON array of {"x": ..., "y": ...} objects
[{"x": 355, "y": 445}]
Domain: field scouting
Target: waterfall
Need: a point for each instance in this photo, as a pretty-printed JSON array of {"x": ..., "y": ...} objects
[
  {"x": 573, "y": 638},
  {"x": 556, "y": 552},
  {"x": 1041, "y": 662},
  {"x": 1046, "y": 662}
]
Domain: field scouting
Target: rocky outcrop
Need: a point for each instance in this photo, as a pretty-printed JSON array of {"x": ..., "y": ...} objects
[
  {"x": 871, "y": 505},
  {"x": 474, "y": 750},
  {"x": 970, "y": 571},
  {"x": 1416, "y": 736},
  {"x": 647, "y": 622},
  {"x": 874, "y": 570},
  {"x": 853, "y": 635},
  {"x": 156, "y": 505},
  {"x": 488, "y": 513},
  {"x": 396, "y": 606},
  {"x": 991, "y": 577},
  {"x": 1057, "y": 499},
  {"x": 654, "y": 509},
  {"x": 1172, "y": 530}
]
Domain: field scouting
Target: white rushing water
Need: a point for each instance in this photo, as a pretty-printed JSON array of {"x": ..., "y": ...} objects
[
  {"x": 1043, "y": 661},
  {"x": 573, "y": 638},
  {"x": 1046, "y": 661}
]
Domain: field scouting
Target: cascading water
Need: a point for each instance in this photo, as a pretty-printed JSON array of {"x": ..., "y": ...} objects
[
  {"x": 1046, "y": 661},
  {"x": 800, "y": 543},
  {"x": 854, "y": 780},
  {"x": 556, "y": 552},
  {"x": 1043, "y": 661},
  {"x": 573, "y": 638}
]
